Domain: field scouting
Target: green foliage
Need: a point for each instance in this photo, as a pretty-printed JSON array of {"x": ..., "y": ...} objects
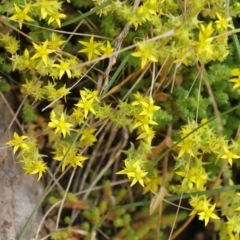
[
  {"x": 219, "y": 73},
  {"x": 85, "y": 226},
  {"x": 62, "y": 235},
  {"x": 6, "y": 67},
  {"x": 52, "y": 200},
  {"x": 189, "y": 103},
  {"x": 107, "y": 28},
  {"x": 82, "y": 4},
  {"x": 162, "y": 118},
  {"x": 28, "y": 113},
  {"x": 4, "y": 86}
]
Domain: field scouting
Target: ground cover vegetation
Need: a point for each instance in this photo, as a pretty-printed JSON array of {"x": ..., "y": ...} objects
[{"x": 128, "y": 108}]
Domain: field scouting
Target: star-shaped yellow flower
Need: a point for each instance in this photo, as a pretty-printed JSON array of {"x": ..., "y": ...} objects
[
  {"x": 63, "y": 67},
  {"x": 42, "y": 51},
  {"x": 38, "y": 167},
  {"x": 18, "y": 142},
  {"x": 56, "y": 16},
  {"x": 87, "y": 105},
  {"x": 91, "y": 48},
  {"x": 229, "y": 155},
  {"x": 146, "y": 53},
  {"x": 222, "y": 23},
  {"x": 207, "y": 213},
  {"x": 21, "y": 15},
  {"x": 61, "y": 125}
]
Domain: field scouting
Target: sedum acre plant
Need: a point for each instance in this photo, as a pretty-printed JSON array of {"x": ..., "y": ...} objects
[{"x": 138, "y": 93}]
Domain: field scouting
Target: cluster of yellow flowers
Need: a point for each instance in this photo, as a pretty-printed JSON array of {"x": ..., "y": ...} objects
[
  {"x": 201, "y": 206},
  {"x": 30, "y": 157}
]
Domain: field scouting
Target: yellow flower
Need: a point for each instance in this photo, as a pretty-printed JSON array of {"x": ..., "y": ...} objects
[
  {"x": 88, "y": 138},
  {"x": 134, "y": 172},
  {"x": 186, "y": 146},
  {"x": 236, "y": 82},
  {"x": 87, "y": 105},
  {"x": 56, "y": 41},
  {"x": 21, "y": 15},
  {"x": 107, "y": 50},
  {"x": 207, "y": 213},
  {"x": 229, "y": 155},
  {"x": 205, "y": 32},
  {"x": 143, "y": 122},
  {"x": 63, "y": 67},
  {"x": 56, "y": 16},
  {"x": 146, "y": 53},
  {"x": 91, "y": 48},
  {"x": 42, "y": 51},
  {"x": 222, "y": 23},
  {"x": 235, "y": 72},
  {"x": 197, "y": 175},
  {"x": 197, "y": 202},
  {"x": 38, "y": 167},
  {"x": 147, "y": 134},
  {"x": 18, "y": 142},
  {"x": 71, "y": 159},
  {"x": 88, "y": 94},
  {"x": 61, "y": 125},
  {"x": 204, "y": 44},
  {"x": 149, "y": 108}
]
